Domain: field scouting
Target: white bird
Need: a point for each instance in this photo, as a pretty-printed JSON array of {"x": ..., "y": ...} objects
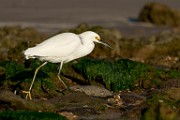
[{"x": 62, "y": 48}]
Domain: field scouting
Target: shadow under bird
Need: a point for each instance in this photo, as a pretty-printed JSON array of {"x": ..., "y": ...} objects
[{"x": 62, "y": 48}]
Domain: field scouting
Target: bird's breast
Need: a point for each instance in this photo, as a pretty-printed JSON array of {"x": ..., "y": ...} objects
[{"x": 81, "y": 51}]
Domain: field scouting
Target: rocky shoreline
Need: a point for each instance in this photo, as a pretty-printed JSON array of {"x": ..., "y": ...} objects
[{"x": 138, "y": 79}]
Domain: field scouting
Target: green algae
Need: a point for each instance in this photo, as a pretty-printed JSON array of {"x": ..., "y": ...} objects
[
  {"x": 115, "y": 76},
  {"x": 29, "y": 115},
  {"x": 19, "y": 77},
  {"x": 46, "y": 79},
  {"x": 174, "y": 74},
  {"x": 122, "y": 74},
  {"x": 11, "y": 68}
]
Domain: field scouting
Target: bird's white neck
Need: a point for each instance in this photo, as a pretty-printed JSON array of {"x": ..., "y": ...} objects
[{"x": 85, "y": 40}]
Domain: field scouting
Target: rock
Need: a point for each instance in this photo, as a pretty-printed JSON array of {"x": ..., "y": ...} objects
[
  {"x": 133, "y": 99},
  {"x": 160, "y": 111},
  {"x": 159, "y": 14},
  {"x": 166, "y": 62},
  {"x": 166, "y": 49},
  {"x": 17, "y": 77},
  {"x": 9, "y": 100},
  {"x": 145, "y": 52},
  {"x": 2, "y": 73},
  {"x": 118, "y": 75},
  {"x": 112, "y": 37},
  {"x": 15, "y": 39},
  {"x": 173, "y": 93},
  {"x": 69, "y": 115},
  {"x": 92, "y": 90},
  {"x": 171, "y": 83}
]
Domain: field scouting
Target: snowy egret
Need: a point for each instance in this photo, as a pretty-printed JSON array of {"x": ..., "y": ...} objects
[{"x": 62, "y": 48}]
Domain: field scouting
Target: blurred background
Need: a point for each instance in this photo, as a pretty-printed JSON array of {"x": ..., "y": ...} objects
[{"x": 52, "y": 16}]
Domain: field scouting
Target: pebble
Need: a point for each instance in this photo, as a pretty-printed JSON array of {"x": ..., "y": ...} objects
[{"x": 92, "y": 90}]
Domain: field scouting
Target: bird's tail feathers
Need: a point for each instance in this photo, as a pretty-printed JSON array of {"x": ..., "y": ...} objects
[{"x": 29, "y": 53}]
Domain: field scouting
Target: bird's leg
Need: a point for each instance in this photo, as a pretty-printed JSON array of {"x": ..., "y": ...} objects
[
  {"x": 60, "y": 67},
  {"x": 28, "y": 93}
]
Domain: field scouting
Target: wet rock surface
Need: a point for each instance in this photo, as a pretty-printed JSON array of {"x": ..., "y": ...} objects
[
  {"x": 102, "y": 85},
  {"x": 92, "y": 90},
  {"x": 82, "y": 106}
]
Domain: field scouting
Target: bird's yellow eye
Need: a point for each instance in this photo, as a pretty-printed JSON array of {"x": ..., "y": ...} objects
[{"x": 97, "y": 38}]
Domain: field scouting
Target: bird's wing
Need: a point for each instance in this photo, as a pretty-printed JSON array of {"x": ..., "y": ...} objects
[{"x": 58, "y": 46}]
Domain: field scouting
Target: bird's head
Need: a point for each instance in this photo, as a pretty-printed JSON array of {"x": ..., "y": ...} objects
[{"x": 94, "y": 37}]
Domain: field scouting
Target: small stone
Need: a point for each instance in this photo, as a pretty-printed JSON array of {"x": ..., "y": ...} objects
[
  {"x": 92, "y": 90},
  {"x": 69, "y": 115}
]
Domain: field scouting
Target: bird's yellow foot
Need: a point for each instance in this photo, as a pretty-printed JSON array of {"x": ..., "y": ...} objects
[{"x": 28, "y": 94}]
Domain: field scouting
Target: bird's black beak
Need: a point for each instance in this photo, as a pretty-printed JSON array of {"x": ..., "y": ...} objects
[{"x": 105, "y": 44}]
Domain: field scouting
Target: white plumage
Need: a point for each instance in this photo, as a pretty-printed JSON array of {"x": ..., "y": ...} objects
[
  {"x": 61, "y": 49},
  {"x": 58, "y": 46}
]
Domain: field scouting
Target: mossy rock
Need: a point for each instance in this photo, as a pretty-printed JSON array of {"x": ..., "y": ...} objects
[
  {"x": 80, "y": 28},
  {"x": 162, "y": 106},
  {"x": 2, "y": 73},
  {"x": 46, "y": 82},
  {"x": 11, "y": 101},
  {"x": 17, "y": 77},
  {"x": 117, "y": 75},
  {"x": 172, "y": 43},
  {"x": 123, "y": 74},
  {"x": 160, "y": 111},
  {"x": 159, "y": 14},
  {"x": 11, "y": 68},
  {"x": 29, "y": 115},
  {"x": 15, "y": 39},
  {"x": 173, "y": 93}
]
